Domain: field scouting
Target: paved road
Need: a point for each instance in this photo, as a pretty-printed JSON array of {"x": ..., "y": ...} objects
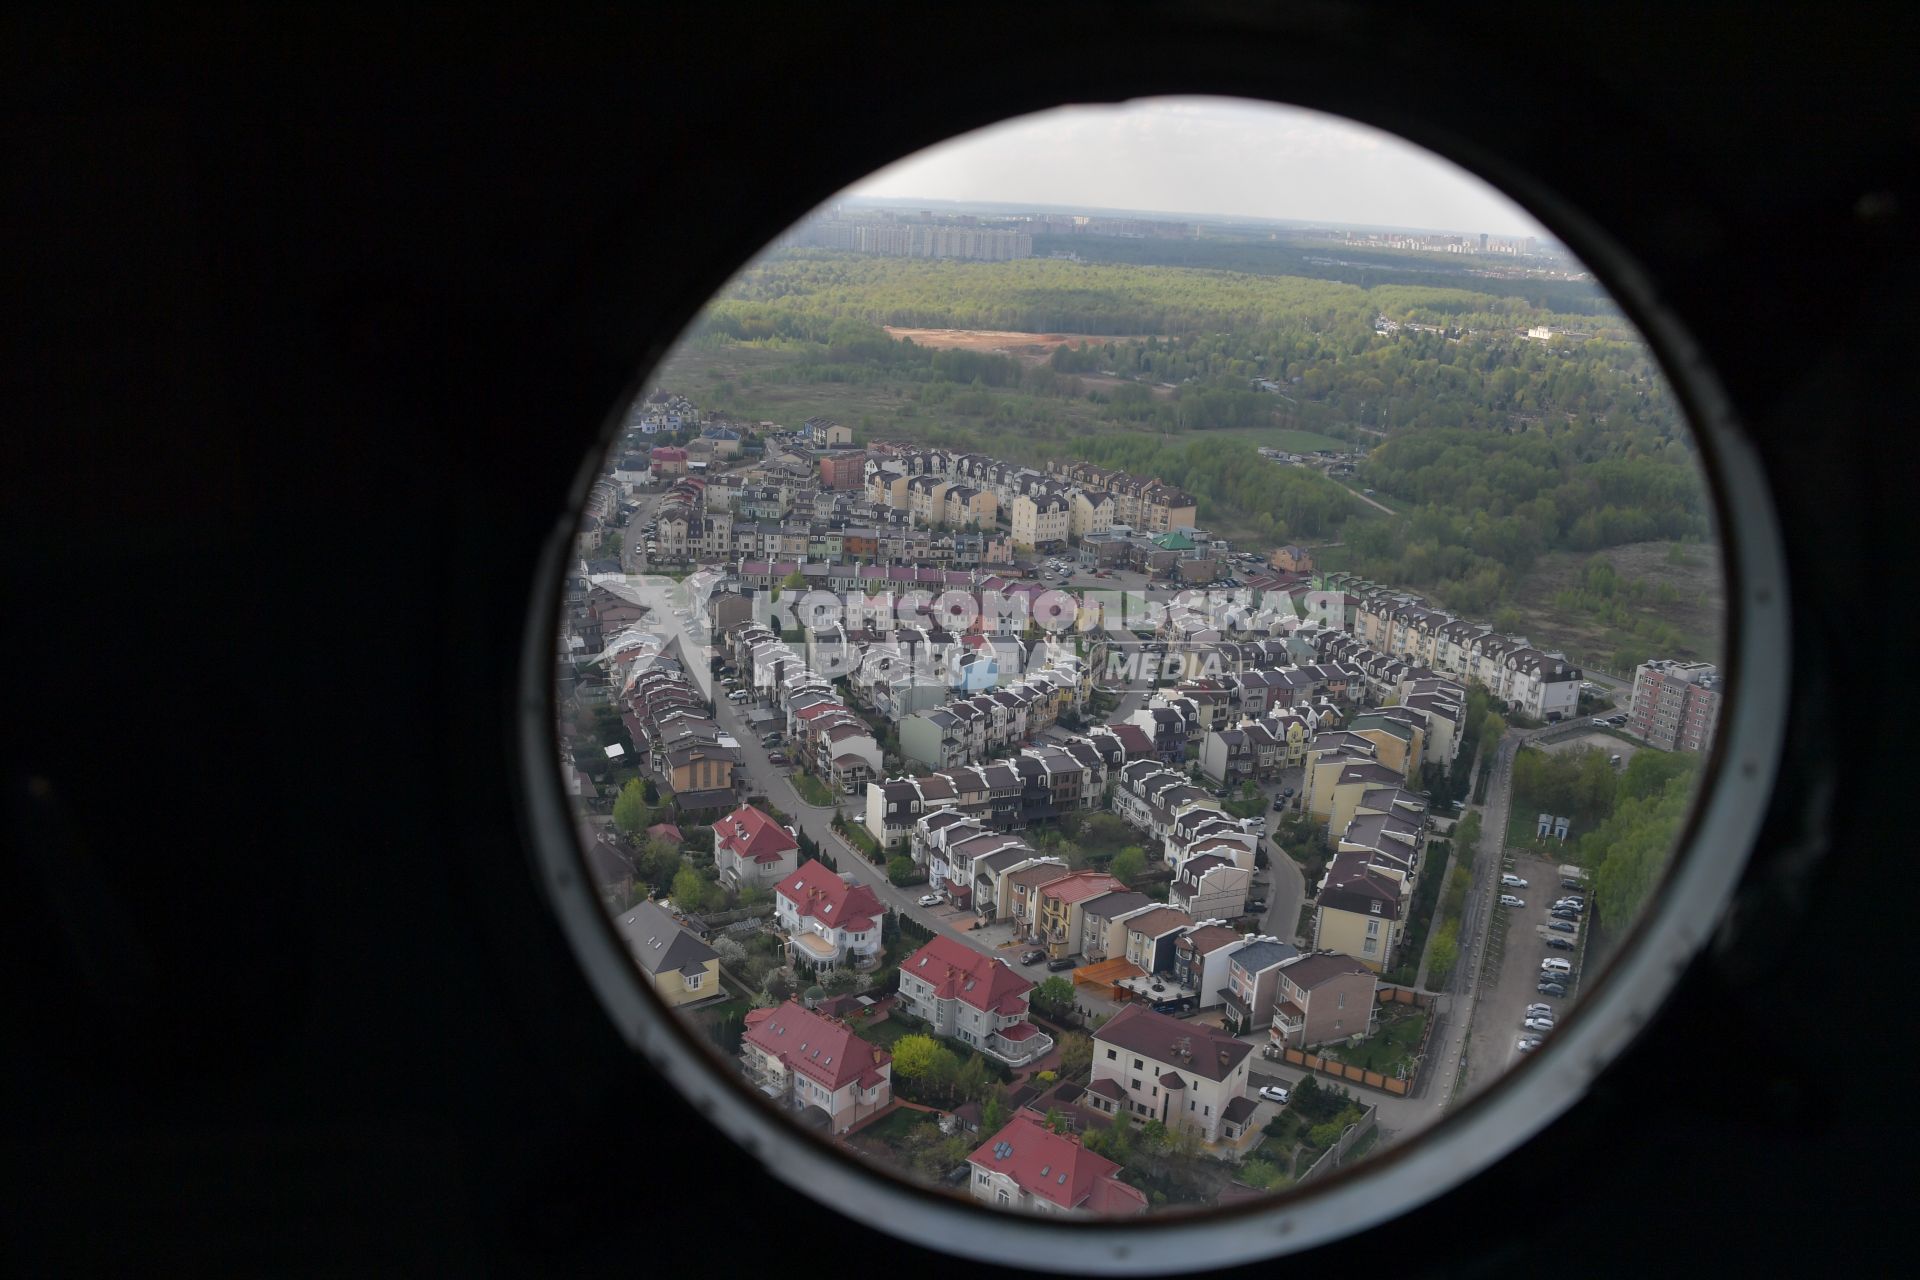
[{"x": 817, "y": 822}]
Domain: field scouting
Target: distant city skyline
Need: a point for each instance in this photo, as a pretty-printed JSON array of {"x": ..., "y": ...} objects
[{"x": 1205, "y": 157}]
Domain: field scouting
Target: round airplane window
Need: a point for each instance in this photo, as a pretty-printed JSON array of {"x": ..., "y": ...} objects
[{"x": 1182, "y": 666}]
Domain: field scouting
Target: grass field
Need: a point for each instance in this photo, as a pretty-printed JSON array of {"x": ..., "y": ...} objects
[
  {"x": 1698, "y": 613},
  {"x": 1286, "y": 439}
]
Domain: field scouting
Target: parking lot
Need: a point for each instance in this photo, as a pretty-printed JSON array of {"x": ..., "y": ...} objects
[{"x": 1509, "y": 983}]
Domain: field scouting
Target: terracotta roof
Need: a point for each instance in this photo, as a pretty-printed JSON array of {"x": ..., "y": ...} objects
[
  {"x": 822, "y": 1049},
  {"x": 749, "y": 833},
  {"x": 819, "y": 894},
  {"x": 1080, "y": 886},
  {"x": 1056, "y": 1168},
  {"x": 958, "y": 972}
]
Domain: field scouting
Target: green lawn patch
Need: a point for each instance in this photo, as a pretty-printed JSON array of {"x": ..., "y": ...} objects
[
  {"x": 897, "y": 1125},
  {"x": 811, "y": 789},
  {"x": 1389, "y": 1050}
]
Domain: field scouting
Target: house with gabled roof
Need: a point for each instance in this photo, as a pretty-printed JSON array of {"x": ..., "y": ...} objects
[
  {"x": 798, "y": 1059},
  {"x": 829, "y": 920},
  {"x": 1358, "y": 911},
  {"x": 1322, "y": 997},
  {"x": 1183, "y": 1074},
  {"x": 679, "y": 967},
  {"x": 973, "y": 997},
  {"x": 1027, "y": 1166},
  {"x": 750, "y": 848}
]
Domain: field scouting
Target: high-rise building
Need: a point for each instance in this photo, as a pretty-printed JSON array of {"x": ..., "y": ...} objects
[{"x": 1675, "y": 704}]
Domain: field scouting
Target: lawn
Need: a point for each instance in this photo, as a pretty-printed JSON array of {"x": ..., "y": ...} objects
[
  {"x": 1286, "y": 439},
  {"x": 883, "y": 1034},
  {"x": 811, "y": 789},
  {"x": 1389, "y": 1050},
  {"x": 897, "y": 1125}
]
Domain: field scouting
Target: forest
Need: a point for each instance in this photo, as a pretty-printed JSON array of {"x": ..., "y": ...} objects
[
  {"x": 1490, "y": 447},
  {"x": 1346, "y": 264}
]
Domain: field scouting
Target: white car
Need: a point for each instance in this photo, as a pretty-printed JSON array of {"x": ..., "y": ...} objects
[
  {"x": 1527, "y": 1044},
  {"x": 1508, "y": 900},
  {"x": 1538, "y": 1024},
  {"x": 1513, "y": 882},
  {"x": 929, "y": 899},
  {"x": 1273, "y": 1093},
  {"x": 1536, "y": 1009}
]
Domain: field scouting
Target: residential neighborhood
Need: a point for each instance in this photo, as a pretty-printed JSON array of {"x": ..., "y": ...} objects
[{"x": 1014, "y": 832}]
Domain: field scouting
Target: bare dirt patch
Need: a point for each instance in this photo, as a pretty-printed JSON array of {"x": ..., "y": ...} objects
[
  {"x": 1028, "y": 348},
  {"x": 1032, "y": 347}
]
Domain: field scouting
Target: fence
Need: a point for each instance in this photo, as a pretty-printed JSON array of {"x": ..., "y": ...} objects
[
  {"x": 1346, "y": 1071},
  {"x": 1337, "y": 1152}
]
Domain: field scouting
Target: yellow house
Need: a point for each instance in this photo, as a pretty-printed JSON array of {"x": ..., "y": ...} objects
[
  {"x": 1326, "y": 755},
  {"x": 679, "y": 967},
  {"x": 1355, "y": 781},
  {"x": 1398, "y": 745},
  {"x": 1357, "y": 912}
]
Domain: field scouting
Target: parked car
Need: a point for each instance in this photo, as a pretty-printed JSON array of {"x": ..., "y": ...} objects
[
  {"x": 1539, "y": 1007},
  {"x": 1513, "y": 882},
  {"x": 1256, "y": 904},
  {"x": 1563, "y": 926},
  {"x": 1527, "y": 1044},
  {"x": 776, "y": 757},
  {"x": 739, "y": 695},
  {"x": 1032, "y": 957},
  {"x": 1551, "y": 989},
  {"x": 1064, "y": 962},
  {"x": 1564, "y": 914},
  {"x": 930, "y": 899},
  {"x": 1279, "y": 804},
  {"x": 1508, "y": 900},
  {"x": 1559, "y": 944},
  {"x": 1539, "y": 1024},
  {"x": 1273, "y": 1093}
]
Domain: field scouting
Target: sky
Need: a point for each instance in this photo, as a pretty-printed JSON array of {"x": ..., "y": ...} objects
[{"x": 1206, "y": 156}]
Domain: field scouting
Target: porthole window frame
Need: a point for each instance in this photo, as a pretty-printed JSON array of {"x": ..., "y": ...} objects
[{"x": 1726, "y": 819}]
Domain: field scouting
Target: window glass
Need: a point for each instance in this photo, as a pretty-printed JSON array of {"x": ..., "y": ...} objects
[{"x": 1109, "y": 503}]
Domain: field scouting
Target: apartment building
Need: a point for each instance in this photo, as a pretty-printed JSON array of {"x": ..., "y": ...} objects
[{"x": 1675, "y": 705}]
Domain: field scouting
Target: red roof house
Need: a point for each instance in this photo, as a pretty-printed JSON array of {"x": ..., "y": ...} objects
[
  {"x": 829, "y": 921},
  {"x": 804, "y": 1059},
  {"x": 749, "y": 847},
  {"x": 1028, "y": 1166}
]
